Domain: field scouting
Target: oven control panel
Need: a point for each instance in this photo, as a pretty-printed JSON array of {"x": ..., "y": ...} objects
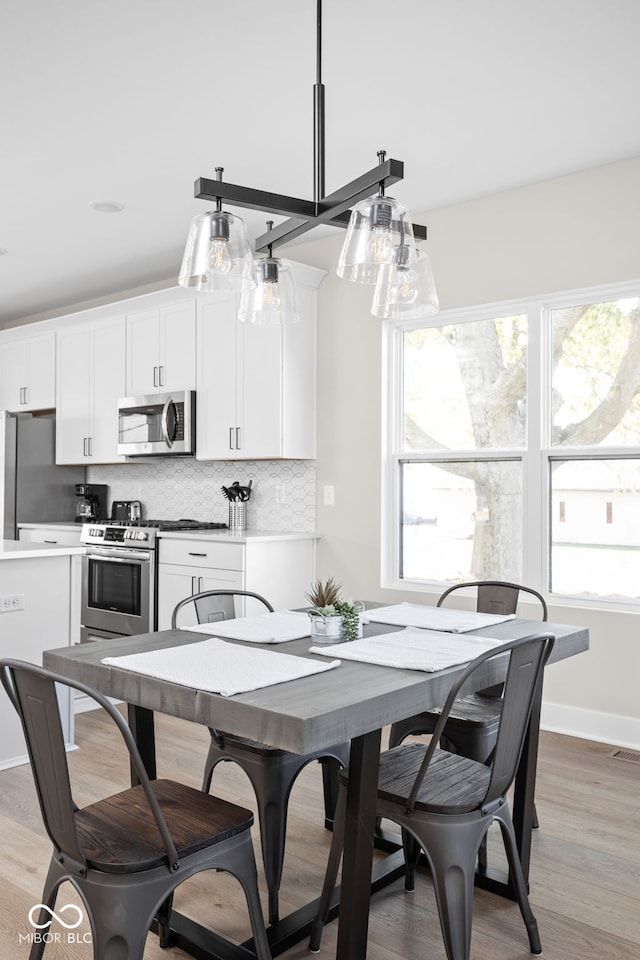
[{"x": 116, "y": 535}]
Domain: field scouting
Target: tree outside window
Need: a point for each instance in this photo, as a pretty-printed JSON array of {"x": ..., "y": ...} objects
[{"x": 466, "y": 446}]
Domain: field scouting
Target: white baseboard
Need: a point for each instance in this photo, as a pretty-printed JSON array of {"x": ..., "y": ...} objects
[{"x": 591, "y": 725}]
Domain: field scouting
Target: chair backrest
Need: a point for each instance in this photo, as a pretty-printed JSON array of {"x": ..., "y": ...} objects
[
  {"x": 32, "y": 690},
  {"x": 213, "y": 605},
  {"x": 527, "y": 657},
  {"x": 496, "y": 596}
]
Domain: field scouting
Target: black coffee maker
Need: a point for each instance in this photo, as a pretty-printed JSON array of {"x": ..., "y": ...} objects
[{"x": 92, "y": 502}]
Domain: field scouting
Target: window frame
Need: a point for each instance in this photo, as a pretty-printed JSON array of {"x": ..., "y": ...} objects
[{"x": 536, "y": 456}]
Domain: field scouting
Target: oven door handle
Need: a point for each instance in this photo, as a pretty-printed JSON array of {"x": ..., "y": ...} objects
[
  {"x": 165, "y": 422},
  {"x": 127, "y": 557}
]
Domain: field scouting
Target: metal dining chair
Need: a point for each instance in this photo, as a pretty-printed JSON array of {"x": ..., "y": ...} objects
[
  {"x": 125, "y": 854},
  {"x": 445, "y": 803},
  {"x": 272, "y": 771},
  {"x": 473, "y": 722}
]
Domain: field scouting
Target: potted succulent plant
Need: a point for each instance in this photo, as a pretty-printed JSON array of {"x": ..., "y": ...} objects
[{"x": 332, "y": 618}]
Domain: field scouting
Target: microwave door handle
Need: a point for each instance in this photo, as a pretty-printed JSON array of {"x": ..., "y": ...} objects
[{"x": 165, "y": 423}]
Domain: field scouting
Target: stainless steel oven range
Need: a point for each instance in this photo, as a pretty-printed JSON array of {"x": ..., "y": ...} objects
[{"x": 119, "y": 575}]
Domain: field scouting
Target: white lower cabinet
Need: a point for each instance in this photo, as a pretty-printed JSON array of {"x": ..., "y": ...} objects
[
  {"x": 175, "y": 583},
  {"x": 280, "y": 569},
  {"x": 67, "y": 536}
]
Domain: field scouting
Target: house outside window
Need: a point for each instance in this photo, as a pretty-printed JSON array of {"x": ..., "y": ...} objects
[{"x": 514, "y": 446}]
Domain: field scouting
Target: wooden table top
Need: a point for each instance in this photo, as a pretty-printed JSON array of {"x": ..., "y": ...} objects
[{"x": 301, "y": 715}]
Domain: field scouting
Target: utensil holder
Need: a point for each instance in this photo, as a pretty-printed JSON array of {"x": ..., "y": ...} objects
[{"x": 237, "y": 517}]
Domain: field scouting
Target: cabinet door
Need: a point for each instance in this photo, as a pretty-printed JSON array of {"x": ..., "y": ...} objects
[
  {"x": 178, "y": 346},
  {"x": 27, "y": 374},
  {"x": 260, "y": 383},
  {"x": 13, "y": 375},
  {"x": 176, "y": 582},
  {"x": 41, "y": 374},
  {"x": 72, "y": 395},
  {"x": 216, "y": 383},
  {"x": 143, "y": 353},
  {"x": 107, "y": 385},
  {"x": 51, "y": 535},
  {"x": 161, "y": 349}
]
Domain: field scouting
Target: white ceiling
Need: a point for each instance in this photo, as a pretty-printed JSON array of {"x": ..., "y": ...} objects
[{"x": 132, "y": 100}]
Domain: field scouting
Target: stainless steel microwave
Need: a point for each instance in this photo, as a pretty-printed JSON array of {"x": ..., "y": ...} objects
[{"x": 158, "y": 425}]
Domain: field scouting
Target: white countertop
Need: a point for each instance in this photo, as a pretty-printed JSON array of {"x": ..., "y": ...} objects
[
  {"x": 19, "y": 550},
  {"x": 221, "y": 536},
  {"x": 225, "y": 536}
]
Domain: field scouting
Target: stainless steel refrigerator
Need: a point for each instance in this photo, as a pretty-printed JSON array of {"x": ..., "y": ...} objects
[{"x": 32, "y": 487}]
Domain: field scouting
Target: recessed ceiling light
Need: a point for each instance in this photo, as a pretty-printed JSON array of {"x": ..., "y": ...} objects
[{"x": 106, "y": 206}]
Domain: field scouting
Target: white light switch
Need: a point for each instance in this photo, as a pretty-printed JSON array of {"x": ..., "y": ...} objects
[{"x": 328, "y": 498}]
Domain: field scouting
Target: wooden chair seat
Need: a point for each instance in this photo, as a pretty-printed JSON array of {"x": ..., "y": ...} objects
[
  {"x": 120, "y": 835},
  {"x": 475, "y": 710},
  {"x": 454, "y": 784}
]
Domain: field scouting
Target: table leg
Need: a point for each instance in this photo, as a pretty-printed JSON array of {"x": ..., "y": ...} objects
[
  {"x": 525, "y": 785},
  {"x": 141, "y": 726},
  {"x": 358, "y": 847}
]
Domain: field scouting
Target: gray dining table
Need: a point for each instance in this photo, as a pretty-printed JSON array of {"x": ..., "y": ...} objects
[{"x": 350, "y": 703}]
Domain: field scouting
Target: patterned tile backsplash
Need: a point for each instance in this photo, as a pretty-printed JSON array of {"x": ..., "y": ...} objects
[{"x": 283, "y": 494}]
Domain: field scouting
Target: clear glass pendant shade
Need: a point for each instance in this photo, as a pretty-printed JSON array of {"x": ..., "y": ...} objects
[
  {"x": 405, "y": 289},
  {"x": 377, "y": 226},
  {"x": 274, "y": 298},
  {"x": 217, "y": 257}
]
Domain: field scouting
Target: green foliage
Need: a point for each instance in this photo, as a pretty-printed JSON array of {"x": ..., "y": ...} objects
[
  {"x": 326, "y": 602},
  {"x": 324, "y": 594},
  {"x": 351, "y": 615}
]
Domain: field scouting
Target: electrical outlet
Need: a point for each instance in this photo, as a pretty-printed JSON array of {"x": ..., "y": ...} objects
[
  {"x": 329, "y": 497},
  {"x": 13, "y": 601}
]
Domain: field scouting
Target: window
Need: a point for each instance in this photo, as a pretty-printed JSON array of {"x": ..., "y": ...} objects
[{"x": 515, "y": 446}]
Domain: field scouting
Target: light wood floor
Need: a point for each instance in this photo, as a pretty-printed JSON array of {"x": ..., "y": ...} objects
[{"x": 585, "y": 874}]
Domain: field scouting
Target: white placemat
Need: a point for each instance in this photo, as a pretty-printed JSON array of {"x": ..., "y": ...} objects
[
  {"x": 412, "y": 649},
  {"x": 434, "y": 618},
  {"x": 276, "y": 627},
  {"x": 220, "y": 667}
]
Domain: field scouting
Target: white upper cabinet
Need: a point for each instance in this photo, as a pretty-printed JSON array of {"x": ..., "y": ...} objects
[
  {"x": 90, "y": 379},
  {"x": 255, "y": 385},
  {"x": 27, "y": 373},
  {"x": 161, "y": 349}
]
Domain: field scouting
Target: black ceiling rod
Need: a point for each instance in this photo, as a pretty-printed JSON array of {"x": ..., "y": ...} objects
[
  {"x": 318, "y": 117},
  {"x": 303, "y": 215}
]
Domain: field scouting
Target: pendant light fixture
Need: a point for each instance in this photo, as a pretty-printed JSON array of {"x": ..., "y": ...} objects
[
  {"x": 273, "y": 298},
  {"x": 405, "y": 289},
  {"x": 377, "y": 227},
  {"x": 217, "y": 257}
]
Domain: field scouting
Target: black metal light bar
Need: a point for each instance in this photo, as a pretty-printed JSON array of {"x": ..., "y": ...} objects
[{"x": 304, "y": 215}]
